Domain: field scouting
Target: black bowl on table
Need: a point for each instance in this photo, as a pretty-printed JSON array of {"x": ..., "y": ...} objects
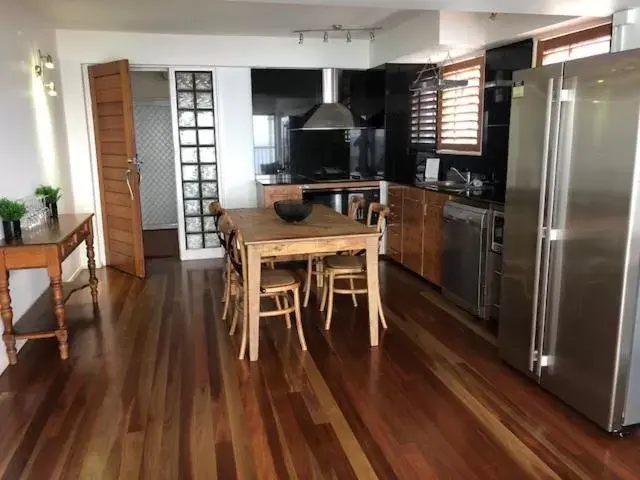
[{"x": 293, "y": 210}]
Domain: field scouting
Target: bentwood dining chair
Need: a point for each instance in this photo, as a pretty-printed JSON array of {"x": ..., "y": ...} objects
[
  {"x": 315, "y": 263},
  {"x": 353, "y": 268},
  {"x": 274, "y": 284}
]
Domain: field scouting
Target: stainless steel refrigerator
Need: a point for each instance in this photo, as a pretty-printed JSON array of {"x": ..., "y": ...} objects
[{"x": 570, "y": 288}]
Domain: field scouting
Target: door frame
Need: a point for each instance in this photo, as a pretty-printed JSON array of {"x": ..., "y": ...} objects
[{"x": 204, "y": 253}]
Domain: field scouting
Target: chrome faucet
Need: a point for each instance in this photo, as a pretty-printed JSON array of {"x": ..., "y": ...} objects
[{"x": 466, "y": 177}]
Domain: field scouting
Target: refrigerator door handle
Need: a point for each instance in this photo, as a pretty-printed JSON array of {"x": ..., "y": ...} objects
[
  {"x": 551, "y": 235},
  {"x": 550, "y": 156}
]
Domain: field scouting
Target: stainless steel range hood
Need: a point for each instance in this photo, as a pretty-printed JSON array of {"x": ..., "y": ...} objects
[{"x": 330, "y": 115}]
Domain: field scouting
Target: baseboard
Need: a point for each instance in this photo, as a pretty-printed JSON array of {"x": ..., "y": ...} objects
[{"x": 75, "y": 274}]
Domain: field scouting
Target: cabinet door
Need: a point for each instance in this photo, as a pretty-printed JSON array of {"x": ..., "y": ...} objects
[
  {"x": 432, "y": 250},
  {"x": 275, "y": 193},
  {"x": 394, "y": 224},
  {"x": 412, "y": 234}
]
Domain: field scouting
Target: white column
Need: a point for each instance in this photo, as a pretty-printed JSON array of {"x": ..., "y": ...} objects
[{"x": 626, "y": 30}]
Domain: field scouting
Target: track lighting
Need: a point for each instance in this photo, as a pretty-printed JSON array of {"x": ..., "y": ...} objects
[
  {"x": 51, "y": 89},
  {"x": 44, "y": 61},
  {"x": 340, "y": 29}
]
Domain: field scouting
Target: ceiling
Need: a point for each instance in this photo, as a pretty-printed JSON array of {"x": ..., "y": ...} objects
[
  {"x": 540, "y": 7},
  {"x": 279, "y": 17},
  {"x": 208, "y": 16}
]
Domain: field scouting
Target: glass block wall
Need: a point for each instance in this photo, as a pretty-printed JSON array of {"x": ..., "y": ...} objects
[{"x": 196, "y": 136}]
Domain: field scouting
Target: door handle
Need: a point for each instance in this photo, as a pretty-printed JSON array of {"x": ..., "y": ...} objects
[
  {"x": 127, "y": 179},
  {"x": 549, "y": 157}
]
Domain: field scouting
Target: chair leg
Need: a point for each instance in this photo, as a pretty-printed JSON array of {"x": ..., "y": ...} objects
[
  {"x": 353, "y": 295},
  {"x": 287, "y": 316},
  {"x": 227, "y": 294},
  {"x": 236, "y": 310},
  {"x": 383, "y": 321},
  {"x": 307, "y": 285},
  {"x": 278, "y": 302},
  {"x": 227, "y": 266},
  {"x": 331, "y": 281},
  {"x": 325, "y": 291},
  {"x": 296, "y": 302},
  {"x": 320, "y": 270},
  {"x": 245, "y": 323}
]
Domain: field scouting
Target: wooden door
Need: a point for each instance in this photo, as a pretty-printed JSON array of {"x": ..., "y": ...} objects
[{"x": 118, "y": 172}]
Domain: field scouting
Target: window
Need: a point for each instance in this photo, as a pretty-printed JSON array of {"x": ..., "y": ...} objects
[
  {"x": 424, "y": 105},
  {"x": 585, "y": 43},
  {"x": 264, "y": 142},
  {"x": 198, "y": 158},
  {"x": 460, "y": 108}
]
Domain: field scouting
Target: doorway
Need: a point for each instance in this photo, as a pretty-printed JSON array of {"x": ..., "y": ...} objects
[{"x": 155, "y": 149}]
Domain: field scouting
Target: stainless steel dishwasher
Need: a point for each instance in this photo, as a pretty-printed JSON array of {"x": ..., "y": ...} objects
[{"x": 464, "y": 256}]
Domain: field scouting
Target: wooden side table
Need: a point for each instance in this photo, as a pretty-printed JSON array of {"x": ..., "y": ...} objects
[{"x": 46, "y": 248}]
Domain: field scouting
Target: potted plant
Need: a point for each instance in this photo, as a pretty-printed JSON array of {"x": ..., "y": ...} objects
[
  {"x": 51, "y": 196},
  {"x": 11, "y": 212}
]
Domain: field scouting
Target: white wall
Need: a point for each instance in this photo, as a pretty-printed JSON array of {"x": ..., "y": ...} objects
[
  {"x": 413, "y": 36},
  {"x": 235, "y": 137},
  {"x": 32, "y": 134},
  {"x": 626, "y": 30},
  {"x": 231, "y": 55}
]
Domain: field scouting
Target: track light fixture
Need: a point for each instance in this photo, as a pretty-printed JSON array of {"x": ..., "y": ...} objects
[
  {"x": 337, "y": 29},
  {"x": 51, "y": 89},
  {"x": 43, "y": 61}
]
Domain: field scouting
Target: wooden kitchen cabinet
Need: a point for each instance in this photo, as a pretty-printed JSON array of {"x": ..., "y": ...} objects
[
  {"x": 269, "y": 194},
  {"x": 412, "y": 213},
  {"x": 432, "y": 244},
  {"x": 433, "y": 233},
  {"x": 394, "y": 223},
  {"x": 415, "y": 230}
]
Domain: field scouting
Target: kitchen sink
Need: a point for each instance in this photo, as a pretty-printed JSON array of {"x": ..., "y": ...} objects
[{"x": 443, "y": 183}]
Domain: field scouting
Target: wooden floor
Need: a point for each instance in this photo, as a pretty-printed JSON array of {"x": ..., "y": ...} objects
[
  {"x": 161, "y": 243},
  {"x": 153, "y": 390}
]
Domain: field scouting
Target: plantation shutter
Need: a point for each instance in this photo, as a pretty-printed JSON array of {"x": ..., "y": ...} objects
[{"x": 460, "y": 108}]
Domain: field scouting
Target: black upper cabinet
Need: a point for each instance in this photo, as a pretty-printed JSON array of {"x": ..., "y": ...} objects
[
  {"x": 362, "y": 91},
  {"x": 500, "y": 63},
  {"x": 400, "y": 164}
]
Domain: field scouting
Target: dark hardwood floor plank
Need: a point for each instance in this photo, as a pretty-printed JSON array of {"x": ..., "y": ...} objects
[{"x": 153, "y": 389}]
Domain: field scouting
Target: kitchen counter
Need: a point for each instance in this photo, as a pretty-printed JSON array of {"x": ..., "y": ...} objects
[
  {"x": 484, "y": 195},
  {"x": 308, "y": 184}
]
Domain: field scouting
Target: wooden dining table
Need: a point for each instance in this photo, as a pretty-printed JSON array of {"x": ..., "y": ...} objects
[{"x": 324, "y": 231}]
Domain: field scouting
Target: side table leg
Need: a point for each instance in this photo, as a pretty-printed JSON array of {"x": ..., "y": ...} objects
[
  {"x": 57, "y": 294},
  {"x": 91, "y": 263},
  {"x": 7, "y": 315}
]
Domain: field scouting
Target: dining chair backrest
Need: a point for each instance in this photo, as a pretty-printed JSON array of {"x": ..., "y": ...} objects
[
  {"x": 356, "y": 205},
  {"x": 378, "y": 213},
  {"x": 224, "y": 226},
  {"x": 216, "y": 209},
  {"x": 237, "y": 253}
]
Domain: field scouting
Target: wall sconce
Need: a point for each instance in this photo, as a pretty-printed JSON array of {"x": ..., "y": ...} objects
[
  {"x": 44, "y": 61},
  {"x": 51, "y": 89}
]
